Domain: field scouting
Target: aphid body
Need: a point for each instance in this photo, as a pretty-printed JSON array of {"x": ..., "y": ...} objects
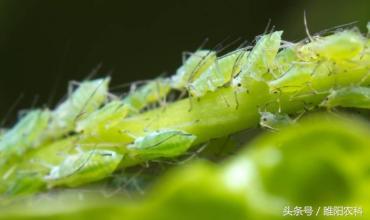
[
  {"x": 165, "y": 143},
  {"x": 26, "y": 134},
  {"x": 103, "y": 118},
  {"x": 340, "y": 46},
  {"x": 84, "y": 167},
  {"x": 353, "y": 97}
]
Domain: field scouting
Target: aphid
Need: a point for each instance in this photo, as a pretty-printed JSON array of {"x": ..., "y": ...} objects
[
  {"x": 299, "y": 76},
  {"x": 353, "y": 97},
  {"x": 26, "y": 134},
  {"x": 151, "y": 92},
  {"x": 88, "y": 97},
  {"x": 84, "y": 167},
  {"x": 340, "y": 46},
  {"x": 196, "y": 64},
  {"x": 165, "y": 143},
  {"x": 103, "y": 118},
  {"x": 219, "y": 73},
  {"x": 260, "y": 59},
  {"x": 275, "y": 121}
]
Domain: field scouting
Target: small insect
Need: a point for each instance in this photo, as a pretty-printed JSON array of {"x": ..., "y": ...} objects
[
  {"x": 26, "y": 134},
  {"x": 219, "y": 73},
  {"x": 343, "y": 45},
  {"x": 165, "y": 143},
  {"x": 192, "y": 67},
  {"x": 151, "y": 92},
  {"x": 275, "y": 121},
  {"x": 84, "y": 167},
  {"x": 353, "y": 97},
  {"x": 299, "y": 76},
  {"x": 260, "y": 59},
  {"x": 88, "y": 97},
  {"x": 103, "y": 118}
]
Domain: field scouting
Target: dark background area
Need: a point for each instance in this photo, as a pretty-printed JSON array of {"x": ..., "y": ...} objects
[{"x": 45, "y": 44}]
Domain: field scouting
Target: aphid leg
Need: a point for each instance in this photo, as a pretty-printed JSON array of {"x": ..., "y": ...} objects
[
  {"x": 236, "y": 100},
  {"x": 190, "y": 102},
  {"x": 129, "y": 134},
  {"x": 194, "y": 154},
  {"x": 225, "y": 100},
  {"x": 364, "y": 78},
  {"x": 9, "y": 172}
]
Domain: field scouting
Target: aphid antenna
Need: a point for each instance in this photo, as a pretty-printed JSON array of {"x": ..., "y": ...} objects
[
  {"x": 267, "y": 26},
  {"x": 127, "y": 85},
  {"x": 94, "y": 71},
  {"x": 336, "y": 28},
  {"x": 35, "y": 101},
  {"x": 11, "y": 109},
  {"x": 306, "y": 26},
  {"x": 87, "y": 102},
  {"x": 218, "y": 48}
]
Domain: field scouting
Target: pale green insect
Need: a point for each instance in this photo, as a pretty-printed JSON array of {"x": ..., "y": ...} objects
[
  {"x": 219, "y": 73},
  {"x": 151, "y": 92},
  {"x": 103, "y": 118},
  {"x": 275, "y": 121},
  {"x": 299, "y": 76},
  {"x": 352, "y": 97},
  {"x": 26, "y": 134},
  {"x": 192, "y": 68},
  {"x": 343, "y": 45},
  {"x": 165, "y": 143},
  {"x": 88, "y": 97},
  {"x": 260, "y": 59},
  {"x": 84, "y": 167}
]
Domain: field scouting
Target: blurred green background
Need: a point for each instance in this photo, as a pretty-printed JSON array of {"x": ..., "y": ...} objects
[{"x": 45, "y": 44}]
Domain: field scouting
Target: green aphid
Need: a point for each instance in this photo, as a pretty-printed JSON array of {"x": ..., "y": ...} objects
[
  {"x": 219, "y": 73},
  {"x": 103, "y": 118},
  {"x": 275, "y": 121},
  {"x": 88, "y": 97},
  {"x": 343, "y": 45},
  {"x": 260, "y": 59},
  {"x": 192, "y": 68},
  {"x": 165, "y": 143},
  {"x": 25, "y": 184},
  {"x": 152, "y": 92},
  {"x": 26, "y": 134},
  {"x": 299, "y": 76},
  {"x": 84, "y": 167},
  {"x": 351, "y": 97}
]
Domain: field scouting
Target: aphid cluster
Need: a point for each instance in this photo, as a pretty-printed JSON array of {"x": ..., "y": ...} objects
[{"x": 321, "y": 69}]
